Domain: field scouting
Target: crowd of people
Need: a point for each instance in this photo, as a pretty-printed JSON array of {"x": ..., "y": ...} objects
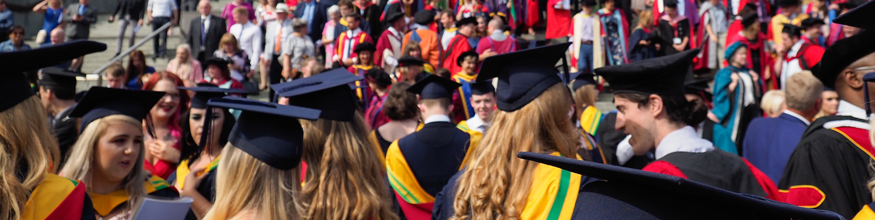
[{"x": 442, "y": 110}]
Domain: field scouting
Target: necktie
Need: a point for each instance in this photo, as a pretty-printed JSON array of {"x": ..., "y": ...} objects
[
  {"x": 81, "y": 10},
  {"x": 279, "y": 39},
  {"x": 203, "y": 30}
]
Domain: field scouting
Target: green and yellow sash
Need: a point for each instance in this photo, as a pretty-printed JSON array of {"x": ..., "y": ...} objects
[
  {"x": 183, "y": 171},
  {"x": 590, "y": 119},
  {"x": 553, "y": 193}
]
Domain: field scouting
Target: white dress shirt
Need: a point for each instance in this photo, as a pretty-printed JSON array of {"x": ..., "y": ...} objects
[
  {"x": 273, "y": 29},
  {"x": 249, "y": 39},
  {"x": 437, "y": 118},
  {"x": 797, "y": 116},
  {"x": 477, "y": 124},
  {"x": 682, "y": 140},
  {"x": 447, "y": 38},
  {"x": 161, "y": 8}
]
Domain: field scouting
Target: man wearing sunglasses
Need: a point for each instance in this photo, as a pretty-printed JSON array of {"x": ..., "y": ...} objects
[
  {"x": 829, "y": 168},
  {"x": 15, "y": 42}
]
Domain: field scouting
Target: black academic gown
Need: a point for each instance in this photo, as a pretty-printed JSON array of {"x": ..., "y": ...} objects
[
  {"x": 828, "y": 170},
  {"x": 434, "y": 154},
  {"x": 65, "y": 132},
  {"x": 716, "y": 168},
  {"x": 668, "y": 33},
  {"x": 608, "y": 138},
  {"x": 207, "y": 189}
]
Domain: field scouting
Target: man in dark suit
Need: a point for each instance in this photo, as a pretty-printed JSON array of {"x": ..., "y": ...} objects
[
  {"x": 57, "y": 93},
  {"x": 79, "y": 17},
  {"x": 205, "y": 32},
  {"x": 769, "y": 142},
  {"x": 315, "y": 14}
]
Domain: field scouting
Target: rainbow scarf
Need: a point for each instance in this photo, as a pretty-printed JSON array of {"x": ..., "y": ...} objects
[
  {"x": 590, "y": 119},
  {"x": 104, "y": 204},
  {"x": 553, "y": 193},
  {"x": 183, "y": 171},
  {"x": 465, "y": 91},
  {"x": 55, "y": 198}
]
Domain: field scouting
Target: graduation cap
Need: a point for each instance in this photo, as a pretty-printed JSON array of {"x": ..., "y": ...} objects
[
  {"x": 328, "y": 91},
  {"x": 464, "y": 21},
  {"x": 465, "y": 55},
  {"x": 662, "y": 75},
  {"x": 59, "y": 77},
  {"x": 750, "y": 7},
  {"x": 860, "y": 17},
  {"x": 670, "y": 3},
  {"x": 15, "y": 87},
  {"x": 482, "y": 88},
  {"x": 749, "y": 19},
  {"x": 792, "y": 30},
  {"x": 394, "y": 13},
  {"x": 434, "y": 87},
  {"x": 589, "y": 2},
  {"x": 810, "y": 22},
  {"x": 787, "y": 3},
  {"x": 219, "y": 62},
  {"x": 408, "y": 60},
  {"x": 378, "y": 76},
  {"x": 842, "y": 53},
  {"x": 424, "y": 17},
  {"x": 581, "y": 79},
  {"x": 638, "y": 194},
  {"x": 206, "y": 91},
  {"x": 366, "y": 46},
  {"x": 522, "y": 75},
  {"x": 100, "y": 102},
  {"x": 269, "y": 132},
  {"x": 699, "y": 87}
]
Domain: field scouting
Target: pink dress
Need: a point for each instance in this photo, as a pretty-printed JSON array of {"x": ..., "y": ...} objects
[
  {"x": 328, "y": 32},
  {"x": 229, "y": 17}
]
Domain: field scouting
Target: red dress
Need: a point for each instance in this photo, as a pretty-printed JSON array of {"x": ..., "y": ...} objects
[{"x": 558, "y": 20}]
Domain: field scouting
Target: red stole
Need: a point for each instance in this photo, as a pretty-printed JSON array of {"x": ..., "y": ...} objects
[{"x": 458, "y": 45}]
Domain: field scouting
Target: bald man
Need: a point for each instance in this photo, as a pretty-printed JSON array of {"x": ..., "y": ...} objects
[
  {"x": 497, "y": 42},
  {"x": 58, "y": 36},
  {"x": 205, "y": 41}
]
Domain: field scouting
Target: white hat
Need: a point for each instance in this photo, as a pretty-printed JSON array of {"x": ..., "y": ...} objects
[{"x": 281, "y": 8}]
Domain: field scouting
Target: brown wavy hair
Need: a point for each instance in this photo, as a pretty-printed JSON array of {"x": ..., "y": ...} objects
[
  {"x": 400, "y": 104},
  {"x": 345, "y": 177},
  {"x": 496, "y": 183},
  {"x": 25, "y": 141}
]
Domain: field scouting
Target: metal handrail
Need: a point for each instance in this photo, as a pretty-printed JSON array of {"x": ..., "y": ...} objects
[{"x": 128, "y": 51}]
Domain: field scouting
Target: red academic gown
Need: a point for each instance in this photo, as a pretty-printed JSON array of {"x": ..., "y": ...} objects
[
  {"x": 384, "y": 44},
  {"x": 559, "y": 20},
  {"x": 720, "y": 169},
  {"x": 458, "y": 45},
  {"x": 808, "y": 56},
  {"x": 345, "y": 44}
]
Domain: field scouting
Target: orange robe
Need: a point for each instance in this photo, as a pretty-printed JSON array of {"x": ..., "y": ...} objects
[{"x": 429, "y": 43}]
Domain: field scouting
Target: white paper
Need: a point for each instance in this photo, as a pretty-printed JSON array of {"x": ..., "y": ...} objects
[{"x": 154, "y": 208}]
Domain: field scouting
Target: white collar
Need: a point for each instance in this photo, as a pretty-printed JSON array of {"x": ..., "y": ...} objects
[
  {"x": 848, "y": 109},
  {"x": 797, "y": 116},
  {"x": 352, "y": 33},
  {"x": 477, "y": 124},
  {"x": 204, "y": 17},
  {"x": 498, "y": 35},
  {"x": 795, "y": 48},
  {"x": 393, "y": 31},
  {"x": 437, "y": 118},
  {"x": 683, "y": 140}
]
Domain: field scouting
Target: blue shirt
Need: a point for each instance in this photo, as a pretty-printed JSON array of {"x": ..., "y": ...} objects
[
  {"x": 8, "y": 46},
  {"x": 6, "y": 19},
  {"x": 309, "y": 8}
]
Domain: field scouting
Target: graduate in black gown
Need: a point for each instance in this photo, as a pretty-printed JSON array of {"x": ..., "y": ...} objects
[
  {"x": 675, "y": 29},
  {"x": 829, "y": 168},
  {"x": 196, "y": 174},
  {"x": 58, "y": 93}
]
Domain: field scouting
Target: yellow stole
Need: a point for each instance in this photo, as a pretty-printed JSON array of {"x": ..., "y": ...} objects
[
  {"x": 48, "y": 196},
  {"x": 359, "y": 91},
  {"x": 476, "y": 136},
  {"x": 590, "y": 119},
  {"x": 104, "y": 204},
  {"x": 553, "y": 193},
  {"x": 182, "y": 171},
  {"x": 865, "y": 213}
]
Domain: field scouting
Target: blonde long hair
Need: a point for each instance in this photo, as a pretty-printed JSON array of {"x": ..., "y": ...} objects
[
  {"x": 245, "y": 183},
  {"x": 584, "y": 96},
  {"x": 345, "y": 178},
  {"x": 496, "y": 183},
  {"x": 80, "y": 163},
  {"x": 25, "y": 141}
]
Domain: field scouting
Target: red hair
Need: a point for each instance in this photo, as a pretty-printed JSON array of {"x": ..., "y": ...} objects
[{"x": 183, "y": 97}]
